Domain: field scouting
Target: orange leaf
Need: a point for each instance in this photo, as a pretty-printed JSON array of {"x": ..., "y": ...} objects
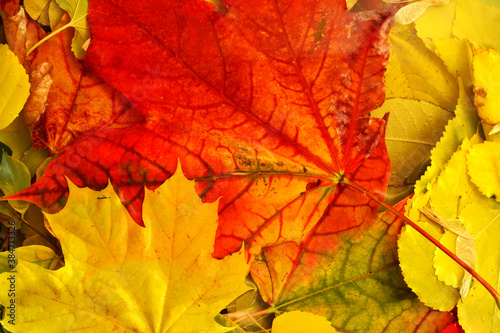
[{"x": 266, "y": 106}]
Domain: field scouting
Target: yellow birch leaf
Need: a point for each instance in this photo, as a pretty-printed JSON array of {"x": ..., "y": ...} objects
[
  {"x": 483, "y": 163},
  {"x": 458, "y": 240},
  {"x": 436, "y": 23},
  {"x": 479, "y": 312},
  {"x": 477, "y": 22},
  {"x": 125, "y": 278},
  {"x": 457, "y": 56},
  {"x": 416, "y": 256},
  {"x": 486, "y": 66},
  {"x": 302, "y": 322},
  {"x": 14, "y": 85},
  {"x": 447, "y": 194},
  {"x": 447, "y": 270},
  {"x": 464, "y": 125},
  {"x": 413, "y": 129},
  {"x": 414, "y": 72}
]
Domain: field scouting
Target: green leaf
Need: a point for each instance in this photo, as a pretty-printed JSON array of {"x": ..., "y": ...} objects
[
  {"x": 46, "y": 12},
  {"x": 14, "y": 85},
  {"x": 17, "y": 137},
  {"x": 358, "y": 286},
  {"x": 77, "y": 10},
  {"x": 413, "y": 129},
  {"x": 34, "y": 158},
  {"x": 36, "y": 254},
  {"x": 7, "y": 210},
  {"x": 43, "y": 166},
  {"x": 14, "y": 177}
]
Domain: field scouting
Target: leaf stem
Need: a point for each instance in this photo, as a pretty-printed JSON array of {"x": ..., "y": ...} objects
[
  {"x": 21, "y": 219},
  {"x": 53, "y": 33},
  {"x": 424, "y": 233},
  {"x": 253, "y": 315}
]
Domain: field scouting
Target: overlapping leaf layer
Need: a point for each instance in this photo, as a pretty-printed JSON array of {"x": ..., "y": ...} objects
[{"x": 269, "y": 120}]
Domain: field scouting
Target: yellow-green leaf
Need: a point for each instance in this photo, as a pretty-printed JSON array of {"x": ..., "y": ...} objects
[
  {"x": 14, "y": 85},
  {"x": 14, "y": 177},
  {"x": 35, "y": 254},
  {"x": 46, "y": 12},
  {"x": 483, "y": 163},
  {"x": 34, "y": 158},
  {"x": 17, "y": 137},
  {"x": 123, "y": 277},
  {"x": 413, "y": 129},
  {"x": 302, "y": 322},
  {"x": 77, "y": 10}
]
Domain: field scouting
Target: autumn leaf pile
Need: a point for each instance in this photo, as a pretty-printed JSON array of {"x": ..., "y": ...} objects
[{"x": 278, "y": 113}]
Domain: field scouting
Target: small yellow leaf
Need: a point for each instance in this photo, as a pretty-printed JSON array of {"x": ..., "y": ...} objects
[
  {"x": 478, "y": 22},
  {"x": 14, "y": 85},
  {"x": 302, "y": 322},
  {"x": 483, "y": 163},
  {"x": 479, "y": 312},
  {"x": 122, "y": 277},
  {"x": 350, "y": 3},
  {"x": 486, "y": 65}
]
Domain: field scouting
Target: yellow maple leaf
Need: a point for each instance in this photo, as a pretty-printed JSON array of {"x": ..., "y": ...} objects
[{"x": 124, "y": 278}]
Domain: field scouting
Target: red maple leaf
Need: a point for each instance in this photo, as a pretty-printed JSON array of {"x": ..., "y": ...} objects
[{"x": 266, "y": 105}]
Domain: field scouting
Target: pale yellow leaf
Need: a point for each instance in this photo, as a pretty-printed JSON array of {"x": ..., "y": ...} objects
[
  {"x": 415, "y": 72},
  {"x": 413, "y": 129}
]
